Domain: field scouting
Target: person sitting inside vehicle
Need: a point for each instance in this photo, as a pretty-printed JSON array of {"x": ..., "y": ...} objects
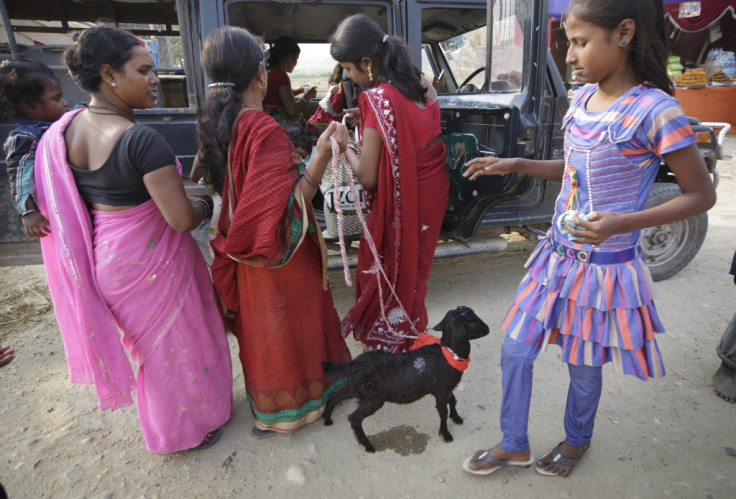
[
  {"x": 279, "y": 101},
  {"x": 331, "y": 106}
]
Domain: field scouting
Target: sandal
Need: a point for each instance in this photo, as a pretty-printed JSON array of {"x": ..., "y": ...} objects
[
  {"x": 209, "y": 439},
  {"x": 259, "y": 434},
  {"x": 484, "y": 456},
  {"x": 558, "y": 458}
]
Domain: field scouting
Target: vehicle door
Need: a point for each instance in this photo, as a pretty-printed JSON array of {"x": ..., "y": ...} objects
[{"x": 495, "y": 100}]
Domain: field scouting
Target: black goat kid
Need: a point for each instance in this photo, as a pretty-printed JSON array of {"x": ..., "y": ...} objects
[{"x": 377, "y": 377}]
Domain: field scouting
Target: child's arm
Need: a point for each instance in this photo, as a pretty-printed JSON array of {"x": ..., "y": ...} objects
[
  {"x": 551, "y": 169},
  {"x": 698, "y": 195},
  {"x": 20, "y": 149}
]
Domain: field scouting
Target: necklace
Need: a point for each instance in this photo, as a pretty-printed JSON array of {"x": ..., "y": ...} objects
[{"x": 112, "y": 112}]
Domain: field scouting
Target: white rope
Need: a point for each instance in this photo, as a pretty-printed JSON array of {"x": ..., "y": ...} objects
[{"x": 376, "y": 268}]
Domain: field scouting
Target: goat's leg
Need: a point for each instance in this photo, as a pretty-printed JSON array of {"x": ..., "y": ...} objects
[
  {"x": 334, "y": 399},
  {"x": 453, "y": 413},
  {"x": 441, "y": 404},
  {"x": 365, "y": 409}
]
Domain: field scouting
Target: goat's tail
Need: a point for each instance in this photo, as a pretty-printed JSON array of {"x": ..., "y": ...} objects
[{"x": 336, "y": 369}]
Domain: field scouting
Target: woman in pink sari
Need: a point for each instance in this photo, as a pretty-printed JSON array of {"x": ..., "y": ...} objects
[
  {"x": 123, "y": 272},
  {"x": 402, "y": 168}
]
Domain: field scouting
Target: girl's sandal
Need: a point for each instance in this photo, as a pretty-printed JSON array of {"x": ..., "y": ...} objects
[
  {"x": 209, "y": 439},
  {"x": 557, "y": 458}
]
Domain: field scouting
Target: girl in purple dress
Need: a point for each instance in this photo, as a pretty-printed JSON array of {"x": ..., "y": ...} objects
[{"x": 588, "y": 288}]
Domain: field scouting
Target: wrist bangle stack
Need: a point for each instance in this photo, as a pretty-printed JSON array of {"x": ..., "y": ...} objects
[
  {"x": 205, "y": 211},
  {"x": 310, "y": 180},
  {"x": 352, "y": 145}
]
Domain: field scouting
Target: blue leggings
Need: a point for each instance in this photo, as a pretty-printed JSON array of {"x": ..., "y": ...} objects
[{"x": 517, "y": 363}]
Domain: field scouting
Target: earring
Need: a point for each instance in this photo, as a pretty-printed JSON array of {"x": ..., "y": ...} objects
[
  {"x": 623, "y": 42},
  {"x": 262, "y": 84},
  {"x": 113, "y": 84},
  {"x": 370, "y": 74}
]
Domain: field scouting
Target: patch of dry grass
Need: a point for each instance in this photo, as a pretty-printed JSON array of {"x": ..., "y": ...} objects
[{"x": 22, "y": 303}]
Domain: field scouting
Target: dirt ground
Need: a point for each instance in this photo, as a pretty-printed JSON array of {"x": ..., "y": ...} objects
[{"x": 663, "y": 438}]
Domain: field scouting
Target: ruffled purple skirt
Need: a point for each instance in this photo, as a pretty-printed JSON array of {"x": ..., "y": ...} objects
[{"x": 596, "y": 313}]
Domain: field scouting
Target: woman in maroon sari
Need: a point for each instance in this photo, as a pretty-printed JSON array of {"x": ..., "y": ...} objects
[
  {"x": 402, "y": 167},
  {"x": 270, "y": 259}
]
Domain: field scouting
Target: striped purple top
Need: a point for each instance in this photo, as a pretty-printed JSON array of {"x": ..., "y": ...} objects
[{"x": 615, "y": 153}]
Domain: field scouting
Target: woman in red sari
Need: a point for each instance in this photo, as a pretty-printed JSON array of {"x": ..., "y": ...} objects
[
  {"x": 270, "y": 259},
  {"x": 402, "y": 167}
]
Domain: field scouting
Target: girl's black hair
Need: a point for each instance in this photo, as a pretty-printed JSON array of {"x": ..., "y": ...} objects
[
  {"x": 648, "y": 49},
  {"x": 360, "y": 36},
  {"x": 281, "y": 49},
  {"x": 22, "y": 80},
  {"x": 298, "y": 135},
  {"x": 336, "y": 76},
  {"x": 229, "y": 55},
  {"x": 95, "y": 47}
]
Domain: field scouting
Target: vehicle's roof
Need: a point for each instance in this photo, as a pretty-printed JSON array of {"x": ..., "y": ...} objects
[
  {"x": 308, "y": 22},
  {"x": 119, "y": 11}
]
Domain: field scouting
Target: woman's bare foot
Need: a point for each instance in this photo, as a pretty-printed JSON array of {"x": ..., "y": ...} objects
[
  {"x": 6, "y": 355},
  {"x": 477, "y": 463},
  {"x": 561, "y": 460}
]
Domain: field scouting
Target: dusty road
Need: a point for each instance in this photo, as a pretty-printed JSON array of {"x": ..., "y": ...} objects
[{"x": 664, "y": 438}]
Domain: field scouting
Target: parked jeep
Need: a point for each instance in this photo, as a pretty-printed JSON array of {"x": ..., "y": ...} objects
[{"x": 502, "y": 94}]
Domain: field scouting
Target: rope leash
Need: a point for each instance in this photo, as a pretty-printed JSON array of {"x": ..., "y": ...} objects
[{"x": 376, "y": 268}]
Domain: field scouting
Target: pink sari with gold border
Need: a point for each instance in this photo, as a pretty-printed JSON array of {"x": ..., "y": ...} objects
[{"x": 130, "y": 281}]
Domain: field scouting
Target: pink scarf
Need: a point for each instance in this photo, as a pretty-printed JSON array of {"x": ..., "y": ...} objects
[{"x": 88, "y": 328}]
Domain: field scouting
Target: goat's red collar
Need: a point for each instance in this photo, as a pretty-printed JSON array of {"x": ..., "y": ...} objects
[{"x": 427, "y": 339}]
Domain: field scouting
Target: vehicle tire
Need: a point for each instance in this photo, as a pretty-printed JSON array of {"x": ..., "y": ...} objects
[{"x": 669, "y": 248}]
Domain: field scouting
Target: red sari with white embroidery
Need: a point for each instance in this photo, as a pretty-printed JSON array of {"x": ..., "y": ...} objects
[{"x": 406, "y": 211}]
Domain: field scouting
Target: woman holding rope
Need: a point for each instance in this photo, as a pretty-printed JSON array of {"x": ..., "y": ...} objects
[
  {"x": 270, "y": 259},
  {"x": 402, "y": 168}
]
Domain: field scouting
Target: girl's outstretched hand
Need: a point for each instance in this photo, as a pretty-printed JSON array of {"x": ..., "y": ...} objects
[
  {"x": 599, "y": 226},
  {"x": 490, "y": 165}
]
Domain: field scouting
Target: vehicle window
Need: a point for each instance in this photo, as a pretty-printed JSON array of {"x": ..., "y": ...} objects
[
  {"x": 45, "y": 41},
  {"x": 466, "y": 54},
  {"x": 507, "y": 65},
  {"x": 314, "y": 67}
]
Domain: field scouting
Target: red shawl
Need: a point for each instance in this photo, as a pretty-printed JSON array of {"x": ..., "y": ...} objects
[{"x": 265, "y": 170}]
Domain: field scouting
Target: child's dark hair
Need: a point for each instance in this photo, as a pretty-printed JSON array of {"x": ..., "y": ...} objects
[
  {"x": 298, "y": 135},
  {"x": 281, "y": 49},
  {"x": 336, "y": 76},
  {"x": 22, "y": 80},
  {"x": 95, "y": 47},
  {"x": 647, "y": 50},
  {"x": 229, "y": 55},
  {"x": 360, "y": 36}
]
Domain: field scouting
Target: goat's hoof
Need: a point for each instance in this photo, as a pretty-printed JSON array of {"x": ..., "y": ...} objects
[
  {"x": 458, "y": 420},
  {"x": 446, "y": 437},
  {"x": 370, "y": 448},
  {"x": 328, "y": 422}
]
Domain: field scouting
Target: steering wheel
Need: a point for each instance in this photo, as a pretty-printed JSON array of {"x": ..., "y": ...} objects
[{"x": 472, "y": 75}]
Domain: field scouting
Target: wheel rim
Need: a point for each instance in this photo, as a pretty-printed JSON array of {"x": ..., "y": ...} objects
[{"x": 662, "y": 244}]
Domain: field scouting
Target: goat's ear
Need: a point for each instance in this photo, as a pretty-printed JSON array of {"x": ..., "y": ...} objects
[{"x": 441, "y": 325}]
